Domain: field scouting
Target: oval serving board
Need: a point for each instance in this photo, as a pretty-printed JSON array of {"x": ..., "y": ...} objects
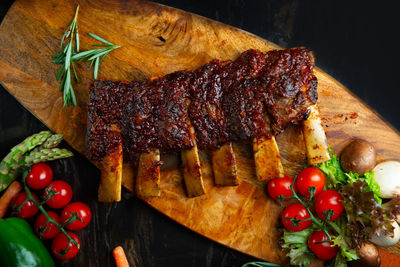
[{"x": 157, "y": 40}]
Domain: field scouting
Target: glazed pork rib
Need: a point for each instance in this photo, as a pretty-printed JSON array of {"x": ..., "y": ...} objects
[{"x": 252, "y": 98}]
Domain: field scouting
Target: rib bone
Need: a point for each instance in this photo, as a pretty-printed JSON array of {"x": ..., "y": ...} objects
[
  {"x": 224, "y": 166},
  {"x": 148, "y": 176},
  {"x": 192, "y": 169},
  {"x": 111, "y": 173},
  {"x": 315, "y": 138},
  {"x": 267, "y": 158}
]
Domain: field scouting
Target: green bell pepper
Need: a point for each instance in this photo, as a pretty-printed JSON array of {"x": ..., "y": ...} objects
[{"x": 19, "y": 246}]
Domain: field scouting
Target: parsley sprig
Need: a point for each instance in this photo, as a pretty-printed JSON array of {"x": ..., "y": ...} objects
[{"x": 69, "y": 55}]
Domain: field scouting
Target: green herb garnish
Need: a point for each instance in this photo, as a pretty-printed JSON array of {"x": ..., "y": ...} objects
[
  {"x": 65, "y": 58},
  {"x": 70, "y": 54}
]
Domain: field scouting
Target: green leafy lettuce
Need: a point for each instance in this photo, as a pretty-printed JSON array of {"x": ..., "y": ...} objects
[
  {"x": 300, "y": 255},
  {"x": 296, "y": 243},
  {"x": 333, "y": 170},
  {"x": 342, "y": 241}
]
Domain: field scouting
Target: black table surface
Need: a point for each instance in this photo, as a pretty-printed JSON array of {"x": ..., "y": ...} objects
[{"x": 353, "y": 41}]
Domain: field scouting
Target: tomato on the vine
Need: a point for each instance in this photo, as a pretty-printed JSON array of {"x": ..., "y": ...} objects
[
  {"x": 293, "y": 216},
  {"x": 323, "y": 250},
  {"x": 81, "y": 218},
  {"x": 39, "y": 176},
  {"x": 60, "y": 194},
  {"x": 61, "y": 247},
  {"x": 28, "y": 208},
  {"x": 49, "y": 231},
  {"x": 281, "y": 186},
  {"x": 310, "y": 177},
  {"x": 329, "y": 200}
]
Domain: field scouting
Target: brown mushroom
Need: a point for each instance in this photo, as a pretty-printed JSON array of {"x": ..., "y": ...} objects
[
  {"x": 369, "y": 256},
  {"x": 358, "y": 157}
]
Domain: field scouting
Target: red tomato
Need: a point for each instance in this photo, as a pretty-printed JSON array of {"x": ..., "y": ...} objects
[
  {"x": 40, "y": 176},
  {"x": 62, "y": 249},
  {"x": 310, "y": 177},
  {"x": 281, "y": 186},
  {"x": 295, "y": 211},
  {"x": 28, "y": 209},
  {"x": 329, "y": 199},
  {"x": 81, "y": 210},
  {"x": 62, "y": 194},
  {"x": 324, "y": 250},
  {"x": 49, "y": 231}
]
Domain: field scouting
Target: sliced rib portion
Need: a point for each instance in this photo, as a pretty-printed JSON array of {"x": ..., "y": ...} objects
[
  {"x": 207, "y": 115},
  {"x": 315, "y": 138}
]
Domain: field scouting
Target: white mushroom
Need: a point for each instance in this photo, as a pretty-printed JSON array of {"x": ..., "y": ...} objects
[
  {"x": 385, "y": 240},
  {"x": 387, "y": 175}
]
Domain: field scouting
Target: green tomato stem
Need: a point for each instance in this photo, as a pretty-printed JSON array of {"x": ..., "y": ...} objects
[{"x": 312, "y": 217}]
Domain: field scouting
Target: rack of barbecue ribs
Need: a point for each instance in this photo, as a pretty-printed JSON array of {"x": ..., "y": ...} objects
[{"x": 252, "y": 98}]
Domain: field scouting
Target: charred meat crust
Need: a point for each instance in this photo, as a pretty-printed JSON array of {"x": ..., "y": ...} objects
[{"x": 225, "y": 101}]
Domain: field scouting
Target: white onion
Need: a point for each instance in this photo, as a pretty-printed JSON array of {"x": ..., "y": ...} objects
[
  {"x": 387, "y": 175},
  {"x": 387, "y": 241}
]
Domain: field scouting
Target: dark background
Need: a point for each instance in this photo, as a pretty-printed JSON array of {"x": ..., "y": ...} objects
[{"x": 356, "y": 42}]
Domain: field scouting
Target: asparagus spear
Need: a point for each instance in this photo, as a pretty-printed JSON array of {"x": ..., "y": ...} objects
[
  {"x": 53, "y": 141},
  {"x": 19, "y": 150},
  {"x": 45, "y": 154},
  {"x": 36, "y": 148}
]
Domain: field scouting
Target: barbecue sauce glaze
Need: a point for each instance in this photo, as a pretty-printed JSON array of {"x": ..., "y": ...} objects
[{"x": 258, "y": 94}]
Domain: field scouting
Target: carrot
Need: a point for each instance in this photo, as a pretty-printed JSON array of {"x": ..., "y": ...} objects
[
  {"x": 120, "y": 257},
  {"x": 13, "y": 189}
]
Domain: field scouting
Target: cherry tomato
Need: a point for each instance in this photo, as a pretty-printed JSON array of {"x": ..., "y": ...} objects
[
  {"x": 310, "y": 177},
  {"x": 295, "y": 211},
  {"x": 62, "y": 194},
  {"x": 40, "y": 176},
  {"x": 51, "y": 230},
  {"x": 81, "y": 210},
  {"x": 28, "y": 209},
  {"x": 281, "y": 186},
  {"x": 324, "y": 250},
  {"x": 61, "y": 249},
  {"x": 329, "y": 199}
]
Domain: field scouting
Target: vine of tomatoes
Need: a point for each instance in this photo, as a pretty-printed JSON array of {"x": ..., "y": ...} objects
[
  {"x": 311, "y": 199},
  {"x": 51, "y": 224}
]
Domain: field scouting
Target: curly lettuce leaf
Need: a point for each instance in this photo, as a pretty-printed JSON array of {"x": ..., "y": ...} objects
[
  {"x": 342, "y": 240},
  {"x": 371, "y": 185},
  {"x": 364, "y": 214},
  {"x": 296, "y": 243},
  {"x": 346, "y": 252},
  {"x": 333, "y": 170}
]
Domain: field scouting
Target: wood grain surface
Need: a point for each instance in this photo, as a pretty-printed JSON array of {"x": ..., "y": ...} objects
[{"x": 157, "y": 40}]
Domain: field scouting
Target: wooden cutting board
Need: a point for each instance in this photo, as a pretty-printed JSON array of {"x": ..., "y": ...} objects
[{"x": 157, "y": 40}]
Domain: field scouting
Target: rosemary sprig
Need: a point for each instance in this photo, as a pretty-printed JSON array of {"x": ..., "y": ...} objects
[
  {"x": 97, "y": 55},
  {"x": 69, "y": 55},
  {"x": 65, "y": 58}
]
